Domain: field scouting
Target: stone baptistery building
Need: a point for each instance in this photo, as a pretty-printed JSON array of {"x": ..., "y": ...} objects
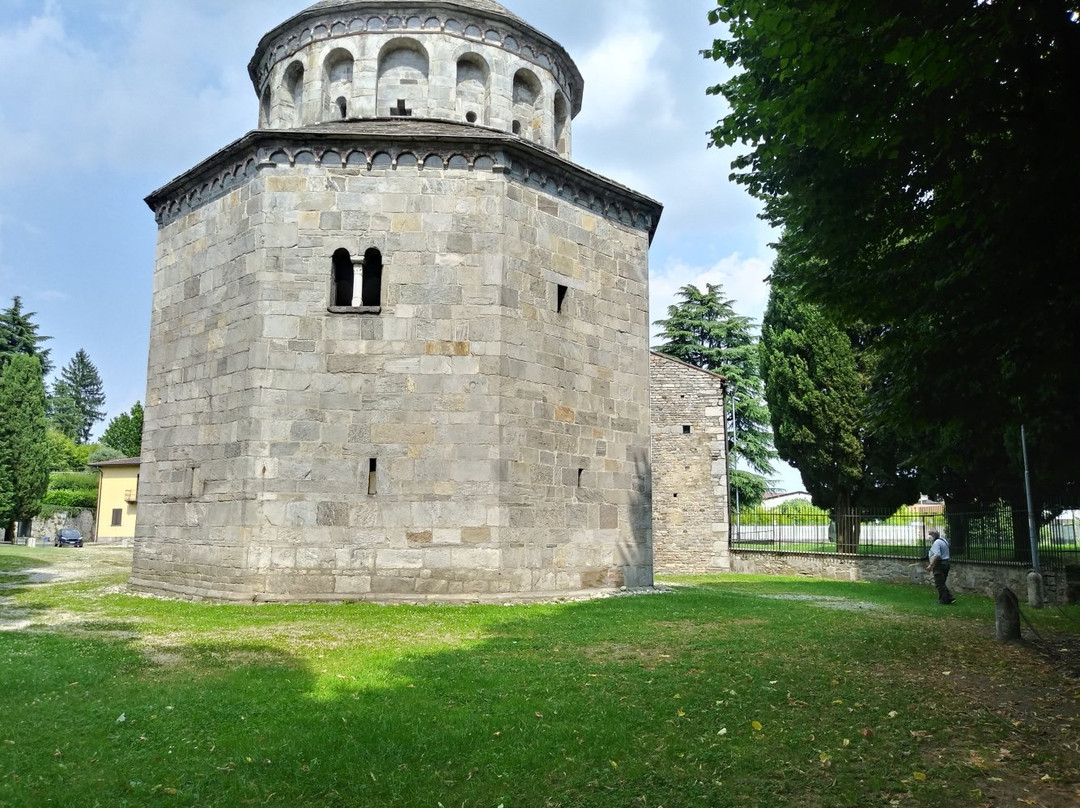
[{"x": 399, "y": 342}]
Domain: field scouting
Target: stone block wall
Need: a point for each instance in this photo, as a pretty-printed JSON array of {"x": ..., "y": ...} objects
[
  {"x": 689, "y": 444},
  {"x": 495, "y": 403}
]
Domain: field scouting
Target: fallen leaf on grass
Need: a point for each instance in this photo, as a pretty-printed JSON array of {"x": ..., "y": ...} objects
[
  {"x": 756, "y": 725},
  {"x": 920, "y": 776}
]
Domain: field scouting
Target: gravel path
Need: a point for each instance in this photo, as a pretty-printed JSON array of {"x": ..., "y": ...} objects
[{"x": 58, "y": 565}]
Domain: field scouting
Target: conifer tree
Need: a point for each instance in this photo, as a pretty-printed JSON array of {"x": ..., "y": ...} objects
[
  {"x": 77, "y": 399},
  {"x": 24, "y": 453},
  {"x": 19, "y": 335},
  {"x": 818, "y": 375}
]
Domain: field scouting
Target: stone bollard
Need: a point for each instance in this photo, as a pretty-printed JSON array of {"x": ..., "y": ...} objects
[
  {"x": 1035, "y": 590},
  {"x": 1007, "y": 616}
]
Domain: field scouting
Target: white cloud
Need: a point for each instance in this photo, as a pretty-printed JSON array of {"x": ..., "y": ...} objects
[
  {"x": 163, "y": 84},
  {"x": 621, "y": 79},
  {"x": 742, "y": 279}
]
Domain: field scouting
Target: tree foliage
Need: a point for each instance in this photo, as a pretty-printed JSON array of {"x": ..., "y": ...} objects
[
  {"x": 124, "y": 432},
  {"x": 77, "y": 399},
  {"x": 63, "y": 452},
  {"x": 103, "y": 453},
  {"x": 24, "y": 461},
  {"x": 921, "y": 157},
  {"x": 19, "y": 335},
  {"x": 817, "y": 378},
  {"x": 704, "y": 330}
]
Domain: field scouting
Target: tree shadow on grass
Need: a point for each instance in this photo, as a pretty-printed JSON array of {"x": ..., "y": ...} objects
[{"x": 635, "y": 701}]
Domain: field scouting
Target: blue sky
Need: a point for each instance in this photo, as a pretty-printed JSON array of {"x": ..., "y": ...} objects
[{"x": 102, "y": 102}]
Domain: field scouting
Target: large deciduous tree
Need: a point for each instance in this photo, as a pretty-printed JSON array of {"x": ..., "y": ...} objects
[
  {"x": 923, "y": 154},
  {"x": 19, "y": 335},
  {"x": 817, "y": 375},
  {"x": 705, "y": 331},
  {"x": 77, "y": 398},
  {"x": 24, "y": 454},
  {"x": 124, "y": 432}
]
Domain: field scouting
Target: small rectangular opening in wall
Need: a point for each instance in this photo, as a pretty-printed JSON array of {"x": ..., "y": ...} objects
[
  {"x": 117, "y": 517},
  {"x": 686, "y": 429},
  {"x": 194, "y": 482},
  {"x": 580, "y": 473},
  {"x": 373, "y": 469},
  {"x": 560, "y": 297}
]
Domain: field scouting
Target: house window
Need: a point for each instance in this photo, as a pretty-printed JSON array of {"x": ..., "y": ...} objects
[{"x": 117, "y": 517}]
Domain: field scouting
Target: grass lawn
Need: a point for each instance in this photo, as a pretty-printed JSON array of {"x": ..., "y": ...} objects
[{"x": 730, "y": 691}]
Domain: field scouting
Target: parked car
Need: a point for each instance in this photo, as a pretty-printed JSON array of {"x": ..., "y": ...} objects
[{"x": 69, "y": 537}]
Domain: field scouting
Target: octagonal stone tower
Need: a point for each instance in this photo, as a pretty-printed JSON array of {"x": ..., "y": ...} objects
[{"x": 399, "y": 342}]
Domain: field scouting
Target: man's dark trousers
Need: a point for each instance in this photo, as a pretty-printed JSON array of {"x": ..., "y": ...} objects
[{"x": 941, "y": 575}]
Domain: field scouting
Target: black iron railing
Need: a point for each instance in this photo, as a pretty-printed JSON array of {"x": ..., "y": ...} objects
[{"x": 997, "y": 535}]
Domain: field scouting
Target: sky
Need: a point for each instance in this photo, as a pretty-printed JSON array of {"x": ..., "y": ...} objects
[{"x": 104, "y": 101}]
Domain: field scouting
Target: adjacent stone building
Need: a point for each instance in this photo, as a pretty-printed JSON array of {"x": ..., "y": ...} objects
[
  {"x": 399, "y": 342},
  {"x": 689, "y": 466}
]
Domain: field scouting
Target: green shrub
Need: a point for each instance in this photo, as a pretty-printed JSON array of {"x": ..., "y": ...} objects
[
  {"x": 64, "y": 498},
  {"x": 73, "y": 481}
]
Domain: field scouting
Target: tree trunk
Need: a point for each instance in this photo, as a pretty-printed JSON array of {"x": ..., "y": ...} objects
[
  {"x": 1021, "y": 536},
  {"x": 1006, "y": 616},
  {"x": 847, "y": 525}
]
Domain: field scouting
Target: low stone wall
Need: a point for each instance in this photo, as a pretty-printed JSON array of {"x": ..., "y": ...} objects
[
  {"x": 964, "y": 577},
  {"x": 83, "y": 520}
]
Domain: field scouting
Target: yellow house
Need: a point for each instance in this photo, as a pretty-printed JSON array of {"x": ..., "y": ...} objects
[{"x": 117, "y": 500}]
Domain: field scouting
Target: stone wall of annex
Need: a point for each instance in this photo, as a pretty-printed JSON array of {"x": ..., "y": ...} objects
[
  {"x": 495, "y": 406},
  {"x": 690, "y": 478}
]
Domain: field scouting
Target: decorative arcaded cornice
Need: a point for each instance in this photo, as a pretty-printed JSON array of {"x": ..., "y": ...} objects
[
  {"x": 490, "y": 28},
  {"x": 390, "y": 145}
]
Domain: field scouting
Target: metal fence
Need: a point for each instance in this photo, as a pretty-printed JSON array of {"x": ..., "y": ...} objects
[{"x": 997, "y": 535}]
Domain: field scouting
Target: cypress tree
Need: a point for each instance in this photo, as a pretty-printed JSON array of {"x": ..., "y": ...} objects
[{"x": 24, "y": 452}]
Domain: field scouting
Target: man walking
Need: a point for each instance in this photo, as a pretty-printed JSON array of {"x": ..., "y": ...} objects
[{"x": 939, "y": 566}]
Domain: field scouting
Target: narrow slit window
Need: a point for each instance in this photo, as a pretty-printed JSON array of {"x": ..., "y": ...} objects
[
  {"x": 560, "y": 298},
  {"x": 373, "y": 474},
  {"x": 580, "y": 474},
  {"x": 343, "y": 107}
]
